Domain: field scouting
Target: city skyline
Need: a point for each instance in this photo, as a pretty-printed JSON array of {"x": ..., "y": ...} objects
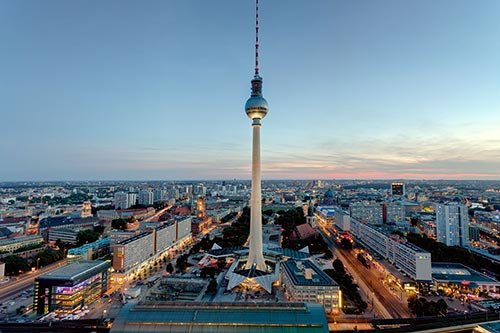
[{"x": 126, "y": 91}]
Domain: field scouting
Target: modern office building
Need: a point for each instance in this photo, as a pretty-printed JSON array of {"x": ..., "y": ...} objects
[
  {"x": 71, "y": 287},
  {"x": 398, "y": 188},
  {"x": 303, "y": 281},
  {"x": 452, "y": 224},
  {"x": 410, "y": 259}
]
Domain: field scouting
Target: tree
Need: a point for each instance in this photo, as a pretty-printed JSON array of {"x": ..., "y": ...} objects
[
  {"x": 212, "y": 286},
  {"x": 15, "y": 264},
  {"x": 170, "y": 268},
  {"x": 221, "y": 263},
  {"x": 86, "y": 236},
  {"x": 338, "y": 266},
  {"x": 119, "y": 224},
  {"x": 328, "y": 254},
  {"x": 99, "y": 229}
]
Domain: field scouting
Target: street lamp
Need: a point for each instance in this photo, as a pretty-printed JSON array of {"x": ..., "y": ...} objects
[
  {"x": 103, "y": 313},
  {"x": 37, "y": 262}
]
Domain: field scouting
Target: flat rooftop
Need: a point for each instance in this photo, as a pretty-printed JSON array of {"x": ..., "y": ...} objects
[
  {"x": 221, "y": 317},
  {"x": 458, "y": 273},
  {"x": 296, "y": 269},
  {"x": 77, "y": 271}
]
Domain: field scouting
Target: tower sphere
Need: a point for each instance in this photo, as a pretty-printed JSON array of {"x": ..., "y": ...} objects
[{"x": 256, "y": 106}]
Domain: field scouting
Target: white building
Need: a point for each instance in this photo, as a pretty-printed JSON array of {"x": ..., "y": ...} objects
[
  {"x": 183, "y": 227},
  {"x": 121, "y": 200},
  {"x": 452, "y": 224},
  {"x": 368, "y": 212},
  {"x": 342, "y": 220},
  {"x": 165, "y": 237},
  {"x": 130, "y": 253},
  {"x": 410, "y": 259},
  {"x": 159, "y": 195},
  {"x": 303, "y": 281},
  {"x": 12, "y": 244},
  {"x": 2, "y": 270}
]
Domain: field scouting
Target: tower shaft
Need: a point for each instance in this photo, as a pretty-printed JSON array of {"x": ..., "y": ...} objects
[{"x": 255, "y": 255}]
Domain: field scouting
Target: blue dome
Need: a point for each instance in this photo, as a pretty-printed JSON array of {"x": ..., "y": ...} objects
[{"x": 329, "y": 194}]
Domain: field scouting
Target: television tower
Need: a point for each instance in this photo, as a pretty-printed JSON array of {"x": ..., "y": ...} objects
[{"x": 256, "y": 108}]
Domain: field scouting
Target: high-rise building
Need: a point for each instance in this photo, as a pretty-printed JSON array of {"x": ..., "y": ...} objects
[
  {"x": 145, "y": 198},
  {"x": 121, "y": 200},
  {"x": 452, "y": 224},
  {"x": 159, "y": 195},
  {"x": 398, "y": 188},
  {"x": 132, "y": 199}
]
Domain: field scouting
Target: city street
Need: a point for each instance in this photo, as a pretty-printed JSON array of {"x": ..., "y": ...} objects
[
  {"x": 382, "y": 302},
  {"x": 25, "y": 281}
]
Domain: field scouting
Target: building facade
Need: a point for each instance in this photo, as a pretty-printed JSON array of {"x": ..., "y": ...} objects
[
  {"x": 398, "y": 188},
  {"x": 12, "y": 244},
  {"x": 452, "y": 224},
  {"x": 412, "y": 260},
  {"x": 71, "y": 287},
  {"x": 367, "y": 211},
  {"x": 132, "y": 252},
  {"x": 303, "y": 281},
  {"x": 145, "y": 198}
]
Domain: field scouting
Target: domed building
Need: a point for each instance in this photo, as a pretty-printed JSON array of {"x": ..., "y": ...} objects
[{"x": 328, "y": 198}]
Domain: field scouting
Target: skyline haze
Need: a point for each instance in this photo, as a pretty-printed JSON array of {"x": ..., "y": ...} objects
[{"x": 124, "y": 90}]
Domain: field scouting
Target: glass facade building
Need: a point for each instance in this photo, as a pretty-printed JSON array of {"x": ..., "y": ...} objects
[{"x": 71, "y": 287}]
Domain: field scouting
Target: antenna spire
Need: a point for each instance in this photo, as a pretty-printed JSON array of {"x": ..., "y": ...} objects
[{"x": 256, "y": 37}]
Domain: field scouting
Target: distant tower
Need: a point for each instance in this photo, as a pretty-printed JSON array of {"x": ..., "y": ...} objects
[
  {"x": 86, "y": 209},
  {"x": 256, "y": 108},
  {"x": 310, "y": 218},
  {"x": 201, "y": 208},
  {"x": 398, "y": 188}
]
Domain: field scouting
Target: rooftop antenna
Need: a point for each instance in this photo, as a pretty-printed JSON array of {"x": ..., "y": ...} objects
[{"x": 256, "y": 37}]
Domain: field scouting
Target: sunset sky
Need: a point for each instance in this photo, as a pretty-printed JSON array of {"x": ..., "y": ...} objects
[{"x": 137, "y": 90}]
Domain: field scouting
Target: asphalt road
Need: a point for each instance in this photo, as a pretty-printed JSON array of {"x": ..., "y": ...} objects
[{"x": 25, "y": 281}]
